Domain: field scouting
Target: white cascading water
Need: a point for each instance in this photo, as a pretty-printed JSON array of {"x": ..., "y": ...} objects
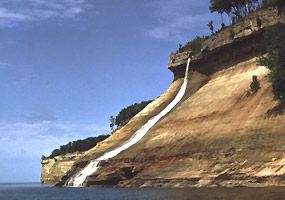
[{"x": 79, "y": 179}]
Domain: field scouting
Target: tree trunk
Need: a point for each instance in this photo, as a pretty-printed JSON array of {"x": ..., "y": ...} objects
[
  {"x": 230, "y": 16},
  {"x": 246, "y": 5}
]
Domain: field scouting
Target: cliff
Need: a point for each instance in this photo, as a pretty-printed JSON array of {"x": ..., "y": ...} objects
[
  {"x": 54, "y": 169},
  {"x": 224, "y": 50},
  {"x": 216, "y": 136}
]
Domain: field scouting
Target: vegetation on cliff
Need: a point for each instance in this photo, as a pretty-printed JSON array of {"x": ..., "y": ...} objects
[
  {"x": 79, "y": 145},
  {"x": 126, "y": 114},
  {"x": 254, "y": 85},
  {"x": 235, "y": 9},
  {"x": 194, "y": 45},
  {"x": 275, "y": 60},
  {"x": 279, "y": 4}
]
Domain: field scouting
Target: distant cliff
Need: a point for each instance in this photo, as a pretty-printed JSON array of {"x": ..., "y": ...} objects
[
  {"x": 216, "y": 136},
  {"x": 54, "y": 169}
]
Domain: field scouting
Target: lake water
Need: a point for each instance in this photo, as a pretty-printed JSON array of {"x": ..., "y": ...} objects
[{"x": 35, "y": 191}]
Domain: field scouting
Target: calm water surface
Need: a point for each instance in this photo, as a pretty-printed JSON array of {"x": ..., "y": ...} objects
[{"x": 35, "y": 191}]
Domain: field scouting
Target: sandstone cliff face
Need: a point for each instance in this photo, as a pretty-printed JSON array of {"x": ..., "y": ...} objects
[
  {"x": 221, "y": 51},
  {"x": 216, "y": 136},
  {"x": 54, "y": 169}
]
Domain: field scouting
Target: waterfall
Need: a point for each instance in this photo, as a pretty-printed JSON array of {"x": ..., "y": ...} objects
[{"x": 79, "y": 179}]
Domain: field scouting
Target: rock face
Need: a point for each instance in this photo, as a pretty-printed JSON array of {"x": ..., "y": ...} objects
[
  {"x": 222, "y": 51},
  {"x": 218, "y": 135},
  {"x": 54, "y": 169}
]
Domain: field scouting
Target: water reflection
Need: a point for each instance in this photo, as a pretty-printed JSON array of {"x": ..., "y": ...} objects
[{"x": 34, "y": 192}]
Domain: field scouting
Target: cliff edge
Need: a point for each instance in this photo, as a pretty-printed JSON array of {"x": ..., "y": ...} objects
[{"x": 216, "y": 136}]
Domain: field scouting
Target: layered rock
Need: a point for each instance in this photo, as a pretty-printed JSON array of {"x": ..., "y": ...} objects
[
  {"x": 54, "y": 169},
  {"x": 222, "y": 50},
  {"x": 218, "y": 135}
]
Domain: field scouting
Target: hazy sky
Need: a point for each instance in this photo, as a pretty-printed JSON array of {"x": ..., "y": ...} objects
[{"x": 66, "y": 66}]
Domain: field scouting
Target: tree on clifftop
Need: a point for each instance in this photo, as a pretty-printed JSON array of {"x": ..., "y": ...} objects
[
  {"x": 280, "y": 4},
  {"x": 78, "y": 145},
  {"x": 220, "y": 6},
  {"x": 236, "y": 9},
  {"x": 126, "y": 114},
  {"x": 112, "y": 123}
]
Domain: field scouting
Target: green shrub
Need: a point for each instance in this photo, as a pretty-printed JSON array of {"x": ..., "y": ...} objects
[
  {"x": 180, "y": 48},
  {"x": 254, "y": 85},
  {"x": 279, "y": 4},
  {"x": 259, "y": 22},
  {"x": 126, "y": 114},
  {"x": 43, "y": 157},
  {"x": 264, "y": 4},
  {"x": 210, "y": 25},
  {"x": 275, "y": 59},
  {"x": 194, "y": 45}
]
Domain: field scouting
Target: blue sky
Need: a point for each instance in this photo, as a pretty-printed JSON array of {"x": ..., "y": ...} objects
[{"x": 66, "y": 66}]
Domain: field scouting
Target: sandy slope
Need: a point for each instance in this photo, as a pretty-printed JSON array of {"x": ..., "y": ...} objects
[{"x": 216, "y": 136}]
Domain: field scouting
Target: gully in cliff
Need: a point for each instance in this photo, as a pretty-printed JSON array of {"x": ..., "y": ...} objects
[{"x": 79, "y": 179}]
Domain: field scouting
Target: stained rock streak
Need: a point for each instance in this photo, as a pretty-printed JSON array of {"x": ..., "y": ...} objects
[{"x": 79, "y": 179}]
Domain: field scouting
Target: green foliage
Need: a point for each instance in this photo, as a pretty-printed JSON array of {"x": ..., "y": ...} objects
[
  {"x": 112, "y": 123},
  {"x": 79, "y": 145},
  {"x": 220, "y": 6},
  {"x": 238, "y": 9},
  {"x": 194, "y": 45},
  {"x": 180, "y": 48},
  {"x": 234, "y": 8},
  {"x": 275, "y": 60},
  {"x": 126, "y": 114},
  {"x": 44, "y": 157},
  {"x": 254, "y": 85},
  {"x": 259, "y": 22},
  {"x": 264, "y": 3},
  {"x": 279, "y": 4},
  {"x": 210, "y": 25}
]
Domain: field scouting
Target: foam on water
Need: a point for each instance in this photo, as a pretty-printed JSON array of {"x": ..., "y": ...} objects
[{"x": 79, "y": 179}]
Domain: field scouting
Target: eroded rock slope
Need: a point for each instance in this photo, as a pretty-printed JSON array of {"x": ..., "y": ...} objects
[{"x": 218, "y": 135}]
